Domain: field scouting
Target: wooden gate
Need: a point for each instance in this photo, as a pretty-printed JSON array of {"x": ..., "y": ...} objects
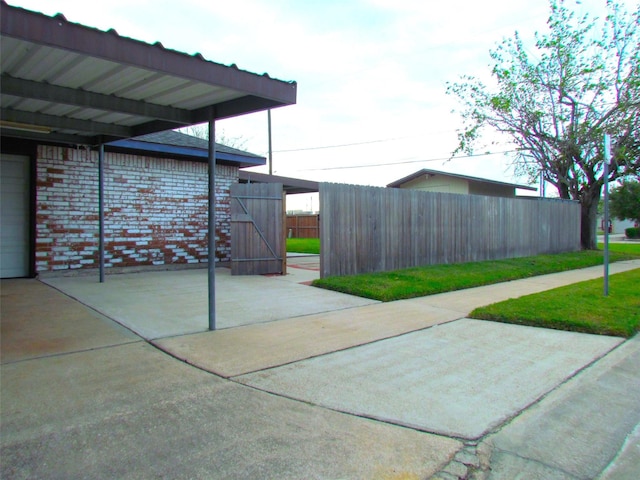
[{"x": 258, "y": 244}]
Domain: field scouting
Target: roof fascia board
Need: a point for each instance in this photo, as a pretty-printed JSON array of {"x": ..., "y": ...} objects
[
  {"x": 244, "y": 161},
  {"x": 69, "y": 96},
  {"x": 502, "y": 184},
  {"x": 60, "y": 33}
]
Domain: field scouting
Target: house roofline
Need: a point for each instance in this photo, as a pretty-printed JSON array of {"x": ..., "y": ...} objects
[{"x": 426, "y": 171}]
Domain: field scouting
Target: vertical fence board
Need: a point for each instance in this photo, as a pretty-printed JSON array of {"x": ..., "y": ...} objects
[
  {"x": 257, "y": 229},
  {"x": 370, "y": 229}
]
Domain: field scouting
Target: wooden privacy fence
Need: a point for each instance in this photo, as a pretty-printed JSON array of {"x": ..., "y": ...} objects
[
  {"x": 370, "y": 229},
  {"x": 303, "y": 226}
]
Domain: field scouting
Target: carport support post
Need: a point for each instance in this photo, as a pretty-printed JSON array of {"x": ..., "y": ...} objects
[
  {"x": 212, "y": 221},
  {"x": 101, "y": 210}
]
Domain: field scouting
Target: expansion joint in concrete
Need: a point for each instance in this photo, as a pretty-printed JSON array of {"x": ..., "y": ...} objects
[{"x": 74, "y": 352}]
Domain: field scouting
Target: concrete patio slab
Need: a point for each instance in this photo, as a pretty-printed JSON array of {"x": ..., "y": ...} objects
[
  {"x": 560, "y": 433},
  {"x": 38, "y": 321},
  {"x": 460, "y": 379},
  {"x": 236, "y": 351},
  {"x": 169, "y": 303}
]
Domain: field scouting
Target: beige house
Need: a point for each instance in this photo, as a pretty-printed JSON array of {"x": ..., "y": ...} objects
[{"x": 437, "y": 181}]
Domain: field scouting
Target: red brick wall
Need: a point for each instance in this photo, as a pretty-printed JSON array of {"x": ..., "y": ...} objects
[{"x": 155, "y": 210}]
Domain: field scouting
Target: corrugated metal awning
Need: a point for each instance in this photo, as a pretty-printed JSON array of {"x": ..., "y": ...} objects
[{"x": 68, "y": 83}]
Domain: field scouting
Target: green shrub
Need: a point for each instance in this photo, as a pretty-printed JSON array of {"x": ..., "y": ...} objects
[{"x": 633, "y": 232}]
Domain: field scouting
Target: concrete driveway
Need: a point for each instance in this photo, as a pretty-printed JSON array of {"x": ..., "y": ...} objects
[
  {"x": 109, "y": 405},
  {"x": 406, "y": 389}
]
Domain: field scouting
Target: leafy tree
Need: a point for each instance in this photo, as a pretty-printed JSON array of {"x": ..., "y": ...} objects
[
  {"x": 624, "y": 201},
  {"x": 556, "y": 102}
]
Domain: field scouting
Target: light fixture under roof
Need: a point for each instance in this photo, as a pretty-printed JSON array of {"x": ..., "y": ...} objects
[{"x": 25, "y": 127}]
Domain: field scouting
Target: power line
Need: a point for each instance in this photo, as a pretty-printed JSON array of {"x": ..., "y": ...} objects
[
  {"x": 366, "y": 142},
  {"x": 342, "y": 145},
  {"x": 406, "y": 161}
]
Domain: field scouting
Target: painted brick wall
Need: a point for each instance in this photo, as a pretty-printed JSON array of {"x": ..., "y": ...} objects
[{"x": 155, "y": 210}]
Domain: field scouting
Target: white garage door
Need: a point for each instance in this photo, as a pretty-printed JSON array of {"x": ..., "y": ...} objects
[{"x": 14, "y": 216}]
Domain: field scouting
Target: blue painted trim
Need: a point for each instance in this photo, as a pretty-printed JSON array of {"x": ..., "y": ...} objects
[{"x": 187, "y": 151}]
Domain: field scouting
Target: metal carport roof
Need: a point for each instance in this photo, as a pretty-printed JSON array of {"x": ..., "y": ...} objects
[{"x": 66, "y": 83}]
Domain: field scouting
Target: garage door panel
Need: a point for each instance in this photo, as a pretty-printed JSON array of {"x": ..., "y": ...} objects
[{"x": 14, "y": 216}]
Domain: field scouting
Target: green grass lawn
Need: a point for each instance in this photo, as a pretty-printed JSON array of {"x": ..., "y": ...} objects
[
  {"x": 581, "y": 307},
  {"x": 632, "y": 248},
  {"x": 303, "y": 245},
  {"x": 429, "y": 280},
  {"x": 312, "y": 245}
]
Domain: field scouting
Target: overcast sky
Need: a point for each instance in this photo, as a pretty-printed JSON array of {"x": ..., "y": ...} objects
[{"x": 371, "y": 74}]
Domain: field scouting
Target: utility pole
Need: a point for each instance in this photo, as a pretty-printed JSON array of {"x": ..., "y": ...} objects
[{"x": 270, "y": 151}]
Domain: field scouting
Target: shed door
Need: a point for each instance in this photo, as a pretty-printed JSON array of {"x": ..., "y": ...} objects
[
  {"x": 14, "y": 216},
  {"x": 257, "y": 229}
]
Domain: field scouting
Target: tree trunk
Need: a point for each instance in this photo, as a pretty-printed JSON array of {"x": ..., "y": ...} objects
[
  {"x": 563, "y": 191},
  {"x": 589, "y": 219}
]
